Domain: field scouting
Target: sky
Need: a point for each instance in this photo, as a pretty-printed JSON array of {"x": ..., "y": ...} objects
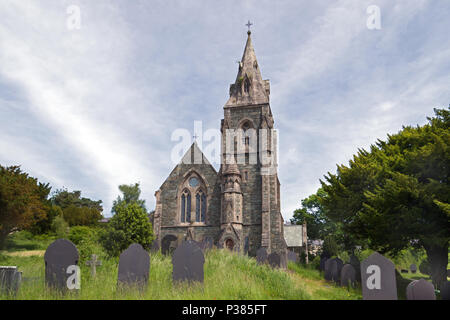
[{"x": 92, "y": 91}]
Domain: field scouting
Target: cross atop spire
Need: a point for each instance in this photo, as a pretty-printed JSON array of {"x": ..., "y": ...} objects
[{"x": 249, "y": 24}]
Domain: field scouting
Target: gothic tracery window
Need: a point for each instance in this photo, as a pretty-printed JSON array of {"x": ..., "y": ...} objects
[{"x": 197, "y": 203}]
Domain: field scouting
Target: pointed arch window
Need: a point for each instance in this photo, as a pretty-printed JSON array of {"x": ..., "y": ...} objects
[
  {"x": 200, "y": 206},
  {"x": 193, "y": 199},
  {"x": 186, "y": 206}
]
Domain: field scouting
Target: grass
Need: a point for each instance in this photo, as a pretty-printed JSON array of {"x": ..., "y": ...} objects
[{"x": 227, "y": 276}]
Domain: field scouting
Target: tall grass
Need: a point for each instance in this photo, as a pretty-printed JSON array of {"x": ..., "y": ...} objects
[{"x": 227, "y": 276}]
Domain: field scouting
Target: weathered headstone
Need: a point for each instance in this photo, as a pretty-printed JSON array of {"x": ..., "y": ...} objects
[
  {"x": 134, "y": 266},
  {"x": 274, "y": 260},
  {"x": 413, "y": 268},
  {"x": 420, "y": 290},
  {"x": 94, "y": 262},
  {"x": 206, "y": 244},
  {"x": 323, "y": 258},
  {"x": 166, "y": 243},
  {"x": 292, "y": 256},
  {"x": 188, "y": 262},
  {"x": 378, "y": 278},
  {"x": 155, "y": 246},
  {"x": 354, "y": 261},
  {"x": 59, "y": 258},
  {"x": 261, "y": 255},
  {"x": 348, "y": 276},
  {"x": 445, "y": 291},
  {"x": 10, "y": 279},
  {"x": 327, "y": 269},
  {"x": 336, "y": 268},
  {"x": 409, "y": 294}
]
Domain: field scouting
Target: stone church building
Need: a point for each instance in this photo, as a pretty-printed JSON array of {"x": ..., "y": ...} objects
[{"x": 238, "y": 207}]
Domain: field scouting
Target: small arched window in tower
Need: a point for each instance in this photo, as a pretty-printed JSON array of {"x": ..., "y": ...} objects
[{"x": 185, "y": 206}]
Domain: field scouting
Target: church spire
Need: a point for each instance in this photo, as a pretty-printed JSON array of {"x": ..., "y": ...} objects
[{"x": 249, "y": 87}]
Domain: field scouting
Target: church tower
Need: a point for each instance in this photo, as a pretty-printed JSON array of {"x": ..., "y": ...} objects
[{"x": 251, "y": 216}]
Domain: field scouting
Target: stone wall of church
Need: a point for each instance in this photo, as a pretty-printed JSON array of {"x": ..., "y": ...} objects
[{"x": 170, "y": 218}]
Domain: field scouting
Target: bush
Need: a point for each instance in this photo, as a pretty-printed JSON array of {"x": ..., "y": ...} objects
[
  {"x": 129, "y": 225},
  {"x": 60, "y": 227},
  {"x": 80, "y": 233}
]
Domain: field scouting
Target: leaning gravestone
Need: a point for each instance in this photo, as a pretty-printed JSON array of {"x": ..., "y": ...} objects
[
  {"x": 292, "y": 256},
  {"x": 420, "y": 290},
  {"x": 134, "y": 266},
  {"x": 274, "y": 260},
  {"x": 378, "y": 278},
  {"x": 327, "y": 269},
  {"x": 188, "y": 262},
  {"x": 445, "y": 291},
  {"x": 348, "y": 276},
  {"x": 261, "y": 255},
  {"x": 59, "y": 256},
  {"x": 10, "y": 280},
  {"x": 336, "y": 268},
  {"x": 166, "y": 242},
  {"x": 413, "y": 268}
]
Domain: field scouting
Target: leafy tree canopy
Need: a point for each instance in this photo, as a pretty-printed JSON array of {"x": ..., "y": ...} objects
[
  {"x": 22, "y": 201},
  {"x": 398, "y": 194},
  {"x": 130, "y": 194}
]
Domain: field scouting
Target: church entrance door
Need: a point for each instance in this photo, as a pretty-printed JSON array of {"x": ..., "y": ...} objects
[{"x": 229, "y": 244}]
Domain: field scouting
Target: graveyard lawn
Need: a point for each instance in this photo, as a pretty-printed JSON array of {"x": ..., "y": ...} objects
[{"x": 227, "y": 276}]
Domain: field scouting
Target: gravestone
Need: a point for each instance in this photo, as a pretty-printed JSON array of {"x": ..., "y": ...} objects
[
  {"x": 206, "y": 244},
  {"x": 94, "y": 262},
  {"x": 445, "y": 291},
  {"x": 378, "y": 278},
  {"x": 292, "y": 256},
  {"x": 166, "y": 243},
  {"x": 246, "y": 245},
  {"x": 327, "y": 269},
  {"x": 348, "y": 276},
  {"x": 409, "y": 294},
  {"x": 420, "y": 290},
  {"x": 134, "y": 266},
  {"x": 188, "y": 262},
  {"x": 336, "y": 268},
  {"x": 354, "y": 261},
  {"x": 155, "y": 246},
  {"x": 10, "y": 280},
  {"x": 261, "y": 255},
  {"x": 413, "y": 268},
  {"x": 274, "y": 260},
  {"x": 59, "y": 256},
  {"x": 323, "y": 259}
]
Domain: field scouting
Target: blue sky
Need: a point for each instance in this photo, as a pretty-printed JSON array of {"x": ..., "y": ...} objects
[{"x": 91, "y": 108}]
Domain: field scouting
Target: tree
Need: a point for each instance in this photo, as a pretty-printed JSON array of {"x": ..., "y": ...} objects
[
  {"x": 312, "y": 212},
  {"x": 78, "y": 211},
  {"x": 397, "y": 194},
  {"x": 131, "y": 194},
  {"x": 129, "y": 225},
  {"x": 21, "y": 201},
  {"x": 81, "y": 216}
]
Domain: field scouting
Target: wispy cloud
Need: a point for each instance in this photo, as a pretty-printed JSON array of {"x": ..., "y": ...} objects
[{"x": 93, "y": 108}]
